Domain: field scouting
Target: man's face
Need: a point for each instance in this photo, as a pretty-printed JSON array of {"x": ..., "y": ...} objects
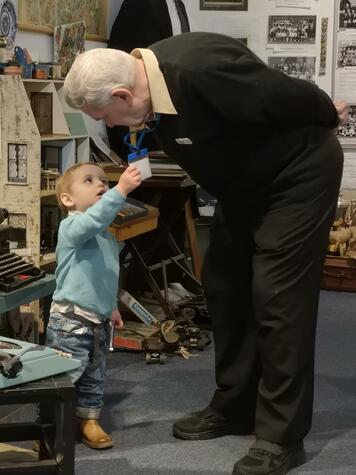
[{"x": 119, "y": 112}]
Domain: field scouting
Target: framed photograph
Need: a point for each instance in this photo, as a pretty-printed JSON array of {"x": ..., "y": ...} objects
[
  {"x": 224, "y": 5},
  {"x": 347, "y": 14},
  {"x": 41, "y": 16},
  {"x": 292, "y": 29},
  {"x": 346, "y": 53},
  {"x": 301, "y": 67},
  {"x": 348, "y": 130}
]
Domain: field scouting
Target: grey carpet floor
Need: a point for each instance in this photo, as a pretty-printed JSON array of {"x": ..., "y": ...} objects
[{"x": 142, "y": 401}]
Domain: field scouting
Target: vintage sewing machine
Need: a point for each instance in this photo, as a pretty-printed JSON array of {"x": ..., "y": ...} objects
[{"x": 21, "y": 362}]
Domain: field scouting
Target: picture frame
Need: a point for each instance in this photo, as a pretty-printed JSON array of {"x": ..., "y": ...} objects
[
  {"x": 241, "y": 5},
  {"x": 41, "y": 16}
]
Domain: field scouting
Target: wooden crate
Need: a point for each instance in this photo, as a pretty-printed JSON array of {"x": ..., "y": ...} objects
[{"x": 339, "y": 274}]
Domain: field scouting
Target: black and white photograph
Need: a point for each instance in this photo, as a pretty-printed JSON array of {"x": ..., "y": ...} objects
[
  {"x": 223, "y": 5},
  {"x": 300, "y": 67},
  {"x": 349, "y": 129},
  {"x": 347, "y": 14},
  {"x": 346, "y": 53},
  {"x": 292, "y": 29}
]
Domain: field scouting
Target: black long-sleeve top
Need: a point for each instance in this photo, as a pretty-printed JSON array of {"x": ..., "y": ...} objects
[{"x": 245, "y": 120}]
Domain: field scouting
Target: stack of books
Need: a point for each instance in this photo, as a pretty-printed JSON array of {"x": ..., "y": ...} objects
[{"x": 162, "y": 165}]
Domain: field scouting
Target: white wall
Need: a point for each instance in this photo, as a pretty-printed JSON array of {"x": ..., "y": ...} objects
[{"x": 253, "y": 24}]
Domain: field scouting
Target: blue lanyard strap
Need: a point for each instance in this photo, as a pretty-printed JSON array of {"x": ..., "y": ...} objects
[{"x": 141, "y": 134}]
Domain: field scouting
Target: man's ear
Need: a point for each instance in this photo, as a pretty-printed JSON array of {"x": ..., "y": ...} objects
[
  {"x": 67, "y": 200},
  {"x": 122, "y": 94}
]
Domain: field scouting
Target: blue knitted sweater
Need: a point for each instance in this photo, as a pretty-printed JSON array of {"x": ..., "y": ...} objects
[{"x": 88, "y": 257}]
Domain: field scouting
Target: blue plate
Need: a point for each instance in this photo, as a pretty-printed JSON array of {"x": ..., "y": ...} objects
[{"x": 8, "y": 22}]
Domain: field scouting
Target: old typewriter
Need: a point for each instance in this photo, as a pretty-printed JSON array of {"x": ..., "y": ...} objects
[
  {"x": 132, "y": 209},
  {"x": 21, "y": 362},
  {"x": 15, "y": 272}
]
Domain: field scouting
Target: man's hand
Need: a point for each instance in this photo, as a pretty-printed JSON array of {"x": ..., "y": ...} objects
[
  {"x": 343, "y": 111},
  {"x": 116, "y": 319}
]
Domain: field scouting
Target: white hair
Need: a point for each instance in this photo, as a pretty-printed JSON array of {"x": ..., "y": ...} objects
[{"x": 95, "y": 73}]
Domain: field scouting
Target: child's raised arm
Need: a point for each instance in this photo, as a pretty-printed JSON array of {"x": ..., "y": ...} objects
[{"x": 129, "y": 180}]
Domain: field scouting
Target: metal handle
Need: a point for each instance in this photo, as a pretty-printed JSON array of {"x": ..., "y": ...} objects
[{"x": 339, "y": 275}]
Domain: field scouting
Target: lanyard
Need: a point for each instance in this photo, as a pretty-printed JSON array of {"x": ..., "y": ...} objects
[{"x": 141, "y": 134}]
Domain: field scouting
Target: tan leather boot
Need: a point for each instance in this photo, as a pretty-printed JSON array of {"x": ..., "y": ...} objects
[{"x": 93, "y": 435}]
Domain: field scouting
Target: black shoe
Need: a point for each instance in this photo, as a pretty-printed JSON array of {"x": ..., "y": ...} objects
[
  {"x": 208, "y": 424},
  {"x": 267, "y": 458}
]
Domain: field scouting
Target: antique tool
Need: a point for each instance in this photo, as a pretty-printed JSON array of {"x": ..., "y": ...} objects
[
  {"x": 21, "y": 362},
  {"x": 171, "y": 335},
  {"x": 153, "y": 347},
  {"x": 195, "y": 338}
]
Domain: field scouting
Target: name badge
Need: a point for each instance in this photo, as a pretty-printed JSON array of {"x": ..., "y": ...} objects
[
  {"x": 141, "y": 161},
  {"x": 183, "y": 141}
]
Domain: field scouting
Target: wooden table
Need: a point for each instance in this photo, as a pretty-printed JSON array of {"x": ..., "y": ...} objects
[{"x": 160, "y": 182}]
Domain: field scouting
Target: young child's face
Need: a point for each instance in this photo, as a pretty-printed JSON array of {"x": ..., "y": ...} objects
[{"x": 89, "y": 183}]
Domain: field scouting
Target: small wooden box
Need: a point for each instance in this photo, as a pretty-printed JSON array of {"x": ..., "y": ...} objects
[
  {"x": 339, "y": 274},
  {"x": 136, "y": 226}
]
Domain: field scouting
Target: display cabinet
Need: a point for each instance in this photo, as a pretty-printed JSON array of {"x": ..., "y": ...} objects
[{"x": 33, "y": 153}]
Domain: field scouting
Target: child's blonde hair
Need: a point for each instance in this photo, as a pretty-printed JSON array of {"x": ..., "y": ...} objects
[{"x": 64, "y": 183}]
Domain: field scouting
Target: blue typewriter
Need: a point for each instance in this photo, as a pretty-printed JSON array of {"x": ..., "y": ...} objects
[{"x": 22, "y": 362}]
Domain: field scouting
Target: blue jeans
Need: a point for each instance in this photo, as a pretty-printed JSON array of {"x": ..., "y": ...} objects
[{"x": 89, "y": 343}]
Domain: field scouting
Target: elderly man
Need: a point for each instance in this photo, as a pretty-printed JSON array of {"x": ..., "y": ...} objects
[{"x": 263, "y": 144}]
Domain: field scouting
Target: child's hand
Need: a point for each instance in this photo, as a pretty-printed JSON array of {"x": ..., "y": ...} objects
[
  {"x": 116, "y": 319},
  {"x": 129, "y": 180}
]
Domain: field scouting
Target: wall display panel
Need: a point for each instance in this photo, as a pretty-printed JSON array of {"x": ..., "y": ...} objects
[
  {"x": 308, "y": 31},
  {"x": 344, "y": 86}
]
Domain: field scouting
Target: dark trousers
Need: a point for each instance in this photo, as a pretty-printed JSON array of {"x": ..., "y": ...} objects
[{"x": 261, "y": 276}]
